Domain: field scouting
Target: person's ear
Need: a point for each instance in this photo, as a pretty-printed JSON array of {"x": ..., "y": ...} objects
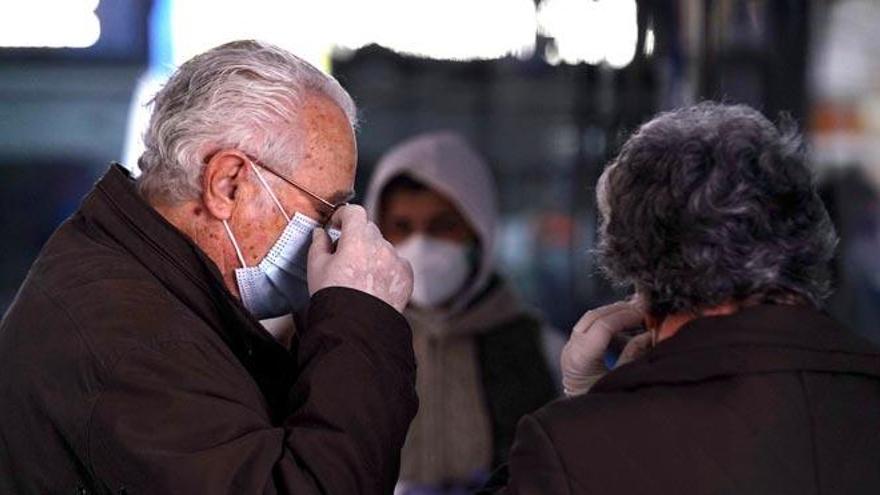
[{"x": 222, "y": 178}]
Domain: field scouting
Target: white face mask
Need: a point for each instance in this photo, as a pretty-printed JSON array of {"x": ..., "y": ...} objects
[
  {"x": 440, "y": 269},
  {"x": 277, "y": 285}
]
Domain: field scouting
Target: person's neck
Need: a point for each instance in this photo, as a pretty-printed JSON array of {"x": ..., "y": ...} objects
[
  {"x": 671, "y": 324},
  {"x": 188, "y": 217},
  {"x": 174, "y": 214}
]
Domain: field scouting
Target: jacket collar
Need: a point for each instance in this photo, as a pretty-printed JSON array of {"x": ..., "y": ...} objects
[
  {"x": 186, "y": 271},
  {"x": 759, "y": 339}
]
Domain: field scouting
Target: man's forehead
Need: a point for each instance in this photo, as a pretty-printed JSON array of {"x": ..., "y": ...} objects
[{"x": 323, "y": 152}]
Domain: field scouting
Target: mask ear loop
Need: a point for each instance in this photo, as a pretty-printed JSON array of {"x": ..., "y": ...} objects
[
  {"x": 274, "y": 199},
  {"x": 269, "y": 190},
  {"x": 234, "y": 244}
]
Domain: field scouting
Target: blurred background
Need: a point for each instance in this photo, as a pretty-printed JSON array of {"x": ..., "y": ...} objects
[{"x": 546, "y": 89}]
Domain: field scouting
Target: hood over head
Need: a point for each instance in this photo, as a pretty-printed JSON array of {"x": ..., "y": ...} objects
[{"x": 445, "y": 162}]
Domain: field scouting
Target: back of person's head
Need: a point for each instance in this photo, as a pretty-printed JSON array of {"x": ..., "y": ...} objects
[{"x": 713, "y": 204}]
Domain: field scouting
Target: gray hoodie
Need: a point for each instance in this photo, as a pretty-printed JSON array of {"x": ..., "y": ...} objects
[{"x": 451, "y": 435}]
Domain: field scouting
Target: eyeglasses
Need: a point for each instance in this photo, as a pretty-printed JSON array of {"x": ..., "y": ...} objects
[{"x": 330, "y": 207}]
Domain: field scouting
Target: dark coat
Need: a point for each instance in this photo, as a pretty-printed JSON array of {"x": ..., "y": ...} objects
[
  {"x": 771, "y": 400},
  {"x": 127, "y": 367},
  {"x": 512, "y": 388}
]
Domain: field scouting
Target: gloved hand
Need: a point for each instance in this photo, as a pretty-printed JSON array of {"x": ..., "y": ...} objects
[
  {"x": 583, "y": 357},
  {"x": 363, "y": 260}
]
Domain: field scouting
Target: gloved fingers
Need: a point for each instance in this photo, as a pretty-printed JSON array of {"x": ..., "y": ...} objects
[
  {"x": 624, "y": 318},
  {"x": 593, "y": 315},
  {"x": 582, "y": 359},
  {"x": 401, "y": 283},
  {"x": 585, "y": 352},
  {"x": 350, "y": 220},
  {"x": 586, "y": 346},
  {"x": 581, "y": 356},
  {"x": 637, "y": 347},
  {"x": 639, "y": 302},
  {"x": 321, "y": 244},
  {"x": 593, "y": 333},
  {"x": 371, "y": 232},
  {"x": 573, "y": 387},
  {"x": 349, "y": 214}
]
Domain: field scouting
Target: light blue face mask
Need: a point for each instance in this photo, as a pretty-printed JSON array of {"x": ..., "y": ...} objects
[{"x": 277, "y": 285}]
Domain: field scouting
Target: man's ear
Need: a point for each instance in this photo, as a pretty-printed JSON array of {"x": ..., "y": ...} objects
[{"x": 222, "y": 179}]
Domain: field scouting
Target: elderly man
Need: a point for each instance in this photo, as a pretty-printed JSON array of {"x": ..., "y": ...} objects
[
  {"x": 132, "y": 358},
  {"x": 710, "y": 215}
]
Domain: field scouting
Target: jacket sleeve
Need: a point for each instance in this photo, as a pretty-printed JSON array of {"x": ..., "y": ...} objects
[
  {"x": 177, "y": 417},
  {"x": 534, "y": 467}
]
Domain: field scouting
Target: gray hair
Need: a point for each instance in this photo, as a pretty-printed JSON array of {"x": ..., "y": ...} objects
[
  {"x": 710, "y": 204},
  {"x": 242, "y": 95}
]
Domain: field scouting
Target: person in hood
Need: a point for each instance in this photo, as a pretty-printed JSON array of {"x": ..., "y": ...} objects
[
  {"x": 133, "y": 360},
  {"x": 484, "y": 357}
]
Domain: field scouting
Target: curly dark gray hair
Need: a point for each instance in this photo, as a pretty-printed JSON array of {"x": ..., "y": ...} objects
[{"x": 711, "y": 204}]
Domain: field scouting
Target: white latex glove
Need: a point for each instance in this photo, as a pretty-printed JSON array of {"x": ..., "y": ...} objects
[
  {"x": 363, "y": 260},
  {"x": 582, "y": 360}
]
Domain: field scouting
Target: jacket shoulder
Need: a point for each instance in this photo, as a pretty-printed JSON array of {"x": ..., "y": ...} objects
[
  {"x": 78, "y": 255},
  {"x": 590, "y": 411},
  {"x": 85, "y": 290}
]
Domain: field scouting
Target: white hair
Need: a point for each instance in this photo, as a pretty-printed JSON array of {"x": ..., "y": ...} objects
[{"x": 242, "y": 95}]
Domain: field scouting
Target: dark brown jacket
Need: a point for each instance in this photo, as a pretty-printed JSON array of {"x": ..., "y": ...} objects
[
  {"x": 127, "y": 367},
  {"x": 772, "y": 400}
]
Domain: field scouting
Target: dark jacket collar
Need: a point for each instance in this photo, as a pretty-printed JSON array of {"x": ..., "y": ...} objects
[
  {"x": 759, "y": 339},
  {"x": 184, "y": 269}
]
